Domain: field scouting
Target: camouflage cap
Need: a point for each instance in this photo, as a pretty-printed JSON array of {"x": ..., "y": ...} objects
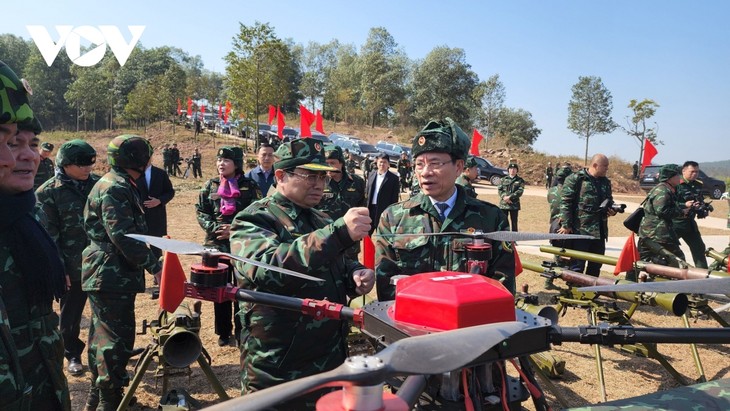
[
  {"x": 668, "y": 171},
  {"x": 470, "y": 162},
  {"x": 513, "y": 165},
  {"x": 306, "y": 153},
  {"x": 563, "y": 172},
  {"x": 46, "y": 146},
  {"x": 335, "y": 153},
  {"x": 14, "y": 107},
  {"x": 441, "y": 136},
  {"x": 76, "y": 152}
]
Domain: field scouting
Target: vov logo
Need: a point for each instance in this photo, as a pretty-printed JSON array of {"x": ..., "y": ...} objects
[{"x": 71, "y": 36}]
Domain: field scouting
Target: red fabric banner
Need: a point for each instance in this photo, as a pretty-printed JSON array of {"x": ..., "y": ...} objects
[
  {"x": 318, "y": 122},
  {"x": 306, "y": 118},
  {"x": 368, "y": 252},
  {"x": 172, "y": 283},
  {"x": 227, "y": 112},
  {"x": 476, "y": 138},
  {"x": 518, "y": 262},
  {"x": 280, "y": 123},
  {"x": 629, "y": 255},
  {"x": 272, "y": 113},
  {"x": 649, "y": 153},
  {"x": 190, "y": 107},
  {"x": 220, "y": 111}
]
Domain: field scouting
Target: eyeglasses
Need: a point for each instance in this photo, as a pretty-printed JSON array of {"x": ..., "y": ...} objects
[
  {"x": 433, "y": 165},
  {"x": 311, "y": 178}
]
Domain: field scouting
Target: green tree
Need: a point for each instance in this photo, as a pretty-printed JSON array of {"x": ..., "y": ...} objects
[
  {"x": 383, "y": 67},
  {"x": 49, "y": 85},
  {"x": 492, "y": 95},
  {"x": 343, "y": 93},
  {"x": 14, "y": 52},
  {"x": 259, "y": 70},
  {"x": 516, "y": 126},
  {"x": 445, "y": 86},
  {"x": 589, "y": 110},
  {"x": 636, "y": 125},
  {"x": 317, "y": 63},
  {"x": 91, "y": 91}
]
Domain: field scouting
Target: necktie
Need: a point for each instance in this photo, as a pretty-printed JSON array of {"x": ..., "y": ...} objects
[{"x": 442, "y": 208}]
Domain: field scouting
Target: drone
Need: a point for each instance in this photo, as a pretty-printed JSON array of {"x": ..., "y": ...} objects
[{"x": 414, "y": 346}]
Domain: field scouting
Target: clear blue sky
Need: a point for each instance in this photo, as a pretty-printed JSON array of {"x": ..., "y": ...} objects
[{"x": 674, "y": 52}]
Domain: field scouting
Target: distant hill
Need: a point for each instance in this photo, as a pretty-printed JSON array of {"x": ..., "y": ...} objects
[{"x": 717, "y": 169}]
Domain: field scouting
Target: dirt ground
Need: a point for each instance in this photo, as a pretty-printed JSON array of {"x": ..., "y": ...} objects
[{"x": 625, "y": 375}]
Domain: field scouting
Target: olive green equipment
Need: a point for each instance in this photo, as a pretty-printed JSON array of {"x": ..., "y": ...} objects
[
  {"x": 176, "y": 344},
  {"x": 549, "y": 365},
  {"x": 600, "y": 311},
  {"x": 722, "y": 259}
]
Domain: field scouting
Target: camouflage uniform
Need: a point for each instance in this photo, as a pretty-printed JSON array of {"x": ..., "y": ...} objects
[
  {"x": 113, "y": 269},
  {"x": 548, "y": 176},
  {"x": 31, "y": 347},
  {"x": 211, "y": 218},
  {"x": 716, "y": 266},
  {"x": 62, "y": 200},
  {"x": 366, "y": 166},
  {"x": 396, "y": 255},
  {"x": 350, "y": 166},
  {"x": 512, "y": 187},
  {"x": 404, "y": 173},
  {"x": 46, "y": 169},
  {"x": 660, "y": 209},
  {"x": 280, "y": 345},
  {"x": 580, "y": 198},
  {"x": 465, "y": 182},
  {"x": 167, "y": 159},
  {"x": 686, "y": 226}
]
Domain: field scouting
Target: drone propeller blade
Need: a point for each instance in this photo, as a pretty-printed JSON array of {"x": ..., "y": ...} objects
[
  {"x": 428, "y": 354},
  {"x": 186, "y": 247},
  {"x": 507, "y": 236},
  {"x": 272, "y": 267},
  {"x": 166, "y": 244},
  {"x": 701, "y": 286}
]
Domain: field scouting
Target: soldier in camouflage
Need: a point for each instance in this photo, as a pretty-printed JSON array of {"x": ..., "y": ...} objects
[
  {"x": 167, "y": 159},
  {"x": 366, "y": 166},
  {"x": 660, "y": 209},
  {"x": 342, "y": 192},
  {"x": 553, "y": 199},
  {"x": 510, "y": 190},
  {"x": 439, "y": 151},
  {"x": 46, "y": 169},
  {"x": 716, "y": 265},
  {"x": 689, "y": 195},
  {"x": 580, "y": 198},
  {"x": 350, "y": 164},
  {"x": 471, "y": 172},
  {"x": 112, "y": 271},
  {"x": 217, "y": 205},
  {"x": 285, "y": 230},
  {"x": 62, "y": 200},
  {"x": 31, "y": 346},
  {"x": 404, "y": 172}
]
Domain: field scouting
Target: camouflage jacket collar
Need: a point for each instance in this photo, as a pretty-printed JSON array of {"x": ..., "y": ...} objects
[
  {"x": 424, "y": 202},
  {"x": 292, "y": 210}
]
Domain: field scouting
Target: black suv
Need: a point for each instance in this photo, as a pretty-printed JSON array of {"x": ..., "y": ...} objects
[
  {"x": 711, "y": 187},
  {"x": 489, "y": 172}
]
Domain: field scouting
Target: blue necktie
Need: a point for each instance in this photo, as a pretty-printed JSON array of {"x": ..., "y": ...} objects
[{"x": 442, "y": 208}]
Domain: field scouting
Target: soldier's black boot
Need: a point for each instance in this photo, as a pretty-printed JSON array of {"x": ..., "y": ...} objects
[
  {"x": 109, "y": 399},
  {"x": 92, "y": 399}
]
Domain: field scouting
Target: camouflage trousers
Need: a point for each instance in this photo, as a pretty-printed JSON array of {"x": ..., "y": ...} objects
[
  {"x": 111, "y": 338},
  {"x": 646, "y": 253},
  {"x": 691, "y": 235}
]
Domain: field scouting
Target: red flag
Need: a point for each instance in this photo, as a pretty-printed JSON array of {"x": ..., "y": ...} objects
[
  {"x": 190, "y": 107},
  {"x": 220, "y": 111},
  {"x": 272, "y": 113},
  {"x": 518, "y": 262},
  {"x": 179, "y": 107},
  {"x": 629, "y": 255},
  {"x": 476, "y": 138},
  {"x": 280, "y": 123},
  {"x": 202, "y": 110},
  {"x": 368, "y": 252},
  {"x": 649, "y": 153},
  {"x": 318, "y": 122},
  {"x": 228, "y": 111},
  {"x": 306, "y": 118},
  {"x": 172, "y": 284}
]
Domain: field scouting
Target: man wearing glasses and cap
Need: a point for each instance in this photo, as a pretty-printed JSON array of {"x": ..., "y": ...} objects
[
  {"x": 439, "y": 152},
  {"x": 45, "y": 168},
  {"x": 285, "y": 230}
]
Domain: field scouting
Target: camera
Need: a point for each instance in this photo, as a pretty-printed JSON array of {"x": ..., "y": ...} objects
[{"x": 609, "y": 204}]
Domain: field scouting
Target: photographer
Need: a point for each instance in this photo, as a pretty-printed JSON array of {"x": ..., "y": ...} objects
[
  {"x": 661, "y": 208},
  {"x": 581, "y": 199},
  {"x": 689, "y": 195}
]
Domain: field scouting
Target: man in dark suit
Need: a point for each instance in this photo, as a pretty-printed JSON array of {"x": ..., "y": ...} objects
[
  {"x": 382, "y": 189},
  {"x": 155, "y": 189}
]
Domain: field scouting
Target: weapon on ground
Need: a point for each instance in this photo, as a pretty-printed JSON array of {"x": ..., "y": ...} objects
[
  {"x": 721, "y": 258},
  {"x": 674, "y": 303}
]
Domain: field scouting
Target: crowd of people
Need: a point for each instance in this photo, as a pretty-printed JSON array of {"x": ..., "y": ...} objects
[{"x": 302, "y": 207}]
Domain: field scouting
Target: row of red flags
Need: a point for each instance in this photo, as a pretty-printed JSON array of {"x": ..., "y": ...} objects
[
  {"x": 222, "y": 114},
  {"x": 306, "y": 118}
]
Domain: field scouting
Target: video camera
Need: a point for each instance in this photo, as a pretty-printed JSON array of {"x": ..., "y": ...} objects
[
  {"x": 609, "y": 204},
  {"x": 701, "y": 211}
]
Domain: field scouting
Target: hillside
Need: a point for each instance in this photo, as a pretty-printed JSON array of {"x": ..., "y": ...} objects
[{"x": 532, "y": 163}]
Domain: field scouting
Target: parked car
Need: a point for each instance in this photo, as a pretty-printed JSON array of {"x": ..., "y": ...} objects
[
  {"x": 335, "y": 138},
  {"x": 289, "y": 133},
  {"x": 222, "y": 127},
  {"x": 490, "y": 172},
  {"x": 393, "y": 150},
  {"x": 711, "y": 187},
  {"x": 359, "y": 149}
]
